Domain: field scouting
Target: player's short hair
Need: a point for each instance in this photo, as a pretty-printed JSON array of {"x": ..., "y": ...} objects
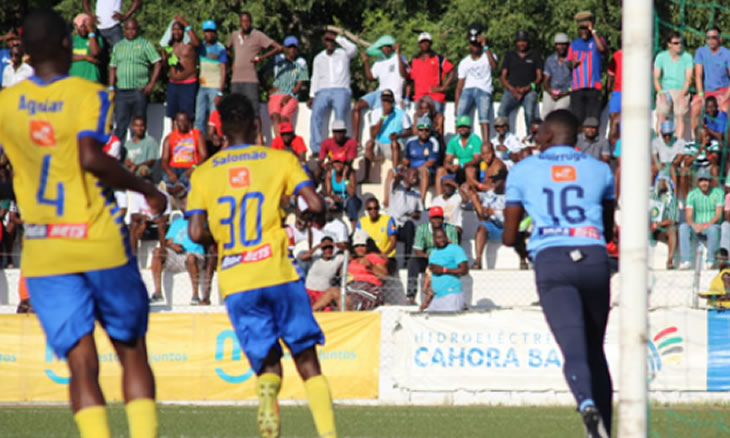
[
  {"x": 43, "y": 33},
  {"x": 237, "y": 114},
  {"x": 564, "y": 126}
]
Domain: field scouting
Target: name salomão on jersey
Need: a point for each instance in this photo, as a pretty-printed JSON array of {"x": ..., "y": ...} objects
[
  {"x": 562, "y": 190},
  {"x": 240, "y": 189},
  {"x": 71, "y": 221}
]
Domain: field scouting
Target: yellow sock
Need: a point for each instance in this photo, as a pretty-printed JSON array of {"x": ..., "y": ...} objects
[
  {"x": 320, "y": 403},
  {"x": 92, "y": 422},
  {"x": 142, "y": 418},
  {"x": 267, "y": 390}
]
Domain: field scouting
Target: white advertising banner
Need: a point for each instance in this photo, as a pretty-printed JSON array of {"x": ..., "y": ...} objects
[{"x": 514, "y": 350}]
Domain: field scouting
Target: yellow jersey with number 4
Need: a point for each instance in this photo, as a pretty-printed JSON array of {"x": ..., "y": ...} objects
[
  {"x": 240, "y": 189},
  {"x": 72, "y": 223}
]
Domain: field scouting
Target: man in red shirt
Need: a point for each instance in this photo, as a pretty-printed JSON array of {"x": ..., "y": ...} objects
[
  {"x": 182, "y": 150},
  {"x": 215, "y": 131},
  {"x": 614, "y": 106},
  {"x": 431, "y": 73},
  {"x": 339, "y": 142},
  {"x": 288, "y": 140}
]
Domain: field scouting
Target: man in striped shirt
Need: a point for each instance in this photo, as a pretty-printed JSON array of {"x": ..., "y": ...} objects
[
  {"x": 584, "y": 55},
  {"x": 703, "y": 212},
  {"x": 129, "y": 74},
  {"x": 290, "y": 71}
]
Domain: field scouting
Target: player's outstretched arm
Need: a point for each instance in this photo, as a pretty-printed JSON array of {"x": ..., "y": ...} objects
[
  {"x": 314, "y": 201},
  {"x": 512, "y": 217},
  {"x": 111, "y": 173}
]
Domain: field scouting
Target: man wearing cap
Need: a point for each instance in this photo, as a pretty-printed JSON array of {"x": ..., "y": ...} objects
[
  {"x": 405, "y": 206},
  {"x": 703, "y": 212},
  {"x": 667, "y": 152},
  {"x": 521, "y": 75},
  {"x": 585, "y": 55},
  {"x": 431, "y": 73},
  {"x": 86, "y": 49},
  {"x": 489, "y": 207},
  {"x": 288, "y": 140},
  {"x": 391, "y": 71},
  {"x": 672, "y": 79},
  {"x": 558, "y": 73},
  {"x": 213, "y": 58},
  {"x": 462, "y": 155},
  {"x": 178, "y": 57},
  {"x": 290, "y": 71},
  {"x": 330, "y": 87},
  {"x": 506, "y": 144},
  {"x": 422, "y": 246},
  {"x": 451, "y": 201},
  {"x": 712, "y": 74},
  {"x": 389, "y": 125},
  {"x": 246, "y": 43},
  {"x": 339, "y": 142},
  {"x": 593, "y": 144},
  {"x": 474, "y": 86}
]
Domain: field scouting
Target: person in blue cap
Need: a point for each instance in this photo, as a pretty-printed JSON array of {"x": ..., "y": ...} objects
[
  {"x": 666, "y": 152},
  {"x": 289, "y": 71},
  {"x": 213, "y": 59}
]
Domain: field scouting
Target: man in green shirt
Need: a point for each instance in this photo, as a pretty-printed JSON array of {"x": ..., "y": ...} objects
[
  {"x": 672, "y": 79},
  {"x": 142, "y": 150},
  {"x": 703, "y": 213},
  {"x": 465, "y": 148},
  {"x": 129, "y": 74},
  {"x": 86, "y": 49}
]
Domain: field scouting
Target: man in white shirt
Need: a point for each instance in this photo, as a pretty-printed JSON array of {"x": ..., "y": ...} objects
[
  {"x": 391, "y": 70},
  {"x": 142, "y": 217},
  {"x": 474, "y": 88},
  {"x": 109, "y": 17},
  {"x": 330, "y": 84},
  {"x": 666, "y": 152},
  {"x": 334, "y": 227},
  {"x": 17, "y": 71},
  {"x": 451, "y": 202},
  {"x": 506, "y": 144}
]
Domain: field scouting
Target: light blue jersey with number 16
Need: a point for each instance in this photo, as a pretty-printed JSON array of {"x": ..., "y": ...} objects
[{"x": 562, "y": 190}]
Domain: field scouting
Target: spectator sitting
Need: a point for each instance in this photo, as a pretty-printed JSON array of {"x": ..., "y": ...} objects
[
  {"x": 182, "y": 150},
  {"x": 391, "y": 70},
  {"x": 431, "y": 74},
  {"x": 556, "y": 82},
  {"x": 474, "y": 86},
  {"x": 290, "y": 71},
  {"x": 725, "y": 227},
  {"x": 213, "y": 58},
  {"x": 703, "y": 212},
  {"x": 334, "y": 227},
  {"x": 664, "y": 215},
  {"x": 591, "y": 143},
  {"x": 672, "y": 80},
  {"x": 367, "y": 268},
  {"x": 450, "y": 201},
  {"x": 447, "y": 263},
  {"x": 17, "y": 71},
  {"x": 215, "y": 131},
  {"x": 529, "y": 143},
  {"x": 465, "y": 148},
  {"x": 341, "y": 187},
  {"x": 667, "y": 152},
  {"x": 324, "y": 270},
  {"x": 87, "y": 49},
  {"x": 178, "y": 57},
  {"x": 704, "y": 154},
  {"x": 490, "y": 165},
  {"x": 521, "y": 75},
  {"x": 142, "y": 150},
  {"x": 490, "y": 211},
  {"x": 390, "y": 124},
  {"x": 142, "y": 220},
  {"x": 421, "y": 153},
  {"x": 177, "y": 255},
  {"x": 382, "y": 229},
  {"x": 615, "y": 68},
  {"x": 405, "y": 207},
  {"x": 426, "y": 107},
  {"x": 339, "y": 142},
  {"x": 585, "y": 56},
  {"x": 288, "y": 140},
  {"x": 718, "y": 294},
  {"x": 506, "y": 144},
  {"x": 712, "y": 75},
  {"x": 715, "y": 121},
  {"x": 423, "y": 245},
  {"x": 330, "y": 87}
]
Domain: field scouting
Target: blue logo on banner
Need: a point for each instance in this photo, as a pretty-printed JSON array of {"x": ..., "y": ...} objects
[
  {"x": 220, "y": 344},
  {"x": 49, "y": 372},
  {"x": 718, "y": 350}
]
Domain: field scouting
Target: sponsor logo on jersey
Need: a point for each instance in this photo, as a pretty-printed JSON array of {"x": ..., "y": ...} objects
[
  {"x": 564, "y": 173},
  {"x": 239, "y": 177},
  {"x": 256, "y": 255},
  {"x": 56, "y": 231},
  {"x": 41, "y": 133}
]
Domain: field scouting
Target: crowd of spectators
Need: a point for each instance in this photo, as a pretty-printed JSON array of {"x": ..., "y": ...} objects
[{"x": 437, "y": 172}]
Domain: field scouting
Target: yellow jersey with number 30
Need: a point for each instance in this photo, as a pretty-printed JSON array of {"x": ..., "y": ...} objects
[
  {"x": 240, "y": 189},
  {"x": 72, "y": 223}
]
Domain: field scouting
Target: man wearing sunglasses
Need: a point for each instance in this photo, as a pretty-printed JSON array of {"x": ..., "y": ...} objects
[
  {"x": 17, "y": 71},
  {"x": 712, "y": 74},
  {"x": 585, "y": 55},
  {"x": 672, "y": 79}
]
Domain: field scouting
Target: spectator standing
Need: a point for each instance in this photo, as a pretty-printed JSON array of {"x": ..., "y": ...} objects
[
  {"x": 129, "y": 74},
  {"x": 109, "y": 18},
  {"x": 615, "y": 68},
  {"x": 339, "y": 142},
  {"x": 178, "y": 57},
  {"x": 324, "y": 270},
  {"x": 667, "y": 152},
  {"x": 290, "y": 71},
  {"x": 712, "y": 74},
  {"x": 593, "y": 144},
  {"x": 703, "y": 212},
  {"x": 431, "y": 74},
  {"x": 447, "y": 263},
  {"x": 405, "y": 207},
  {"x": 330, "y": 87},
  {"x": 715, "y": 121},
  {"x": 422, "y": 153},
  {"x": 288, "y": 140},
  {"x": 86, "y": 49},
  {"x": 18, "y": 70},
  {"x": 672, "y": 79},
  {"x": 664, "y": 215},
  {"x": 390, "y": 125},
  {"x": 450, "y": 202},
  {"x": 506, "y": 144},
  {"x": 390, "y": 70},
  {"x": 585, "y": 55},
  {"x": 182, "y": 150},
  {"x": 213, "y": 59},
  {"x": 423, "y": 245},
  {"x": 490, "y": 211},
  {"x": 246, "y": 44},
  {"x": 521, "y": 75},
  {"x": 380, "y": 227},
  {"x": 341, "y": 187},
  {"x": 558, "y": 75},
  {"x": 142, "y": 150},
  {"x": 464, "y": 148},
  {"x": 474, "y": 86}
]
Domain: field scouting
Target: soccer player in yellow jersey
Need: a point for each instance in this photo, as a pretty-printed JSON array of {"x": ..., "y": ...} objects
[
  {"x": 237, "y": 192},
  {"x": 76, "y": 256}
]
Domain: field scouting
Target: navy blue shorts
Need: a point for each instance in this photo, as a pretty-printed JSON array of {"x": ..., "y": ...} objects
[
  {"x": 261, "y": 317},
  {"x": 554, "y": 267},
  {"x": 181, "y": 98},
  {"x": 68, "y": 305}
]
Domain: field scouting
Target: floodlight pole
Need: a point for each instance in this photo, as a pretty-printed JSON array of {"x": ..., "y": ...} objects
[{"x": 637, "y": 25}]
